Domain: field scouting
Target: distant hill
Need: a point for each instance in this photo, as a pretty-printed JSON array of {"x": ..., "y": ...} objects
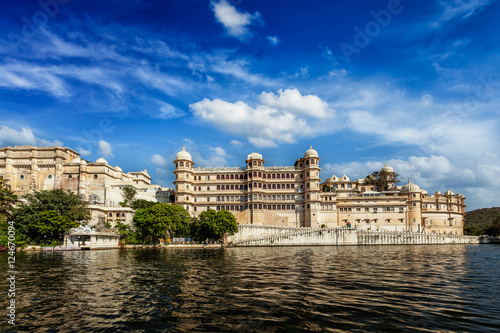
[{"x": 477, "y": 221}]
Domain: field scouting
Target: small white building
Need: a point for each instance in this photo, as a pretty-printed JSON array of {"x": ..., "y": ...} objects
[{"x": 85, "y": 237}]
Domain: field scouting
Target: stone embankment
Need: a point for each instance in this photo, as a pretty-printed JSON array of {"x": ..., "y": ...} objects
[{"x": 254, "y": 235}]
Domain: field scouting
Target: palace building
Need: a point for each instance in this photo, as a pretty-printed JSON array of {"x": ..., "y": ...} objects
[
  {"x": 294, "y": 196},
  {"x": 27, "y": 168}
]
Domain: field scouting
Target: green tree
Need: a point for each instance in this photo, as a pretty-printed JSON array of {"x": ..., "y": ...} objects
[
  {"x": 128, "y": 194},
  {"x": 382, "y": 181},
  {"x": 142, "y": 203},
  {"x": 328, "y": 189},
  {"x": 65, "y": 204},
  {"x": 214, "y": 225},
  {"x": 494, "y": 229},
  {"x": 7, "y": 201},
  {"x": 162, "y": 220},
  {"x": 49, "y": 226}
]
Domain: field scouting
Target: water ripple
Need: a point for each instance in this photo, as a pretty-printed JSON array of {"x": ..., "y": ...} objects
[{"x": 329, "y": 289}]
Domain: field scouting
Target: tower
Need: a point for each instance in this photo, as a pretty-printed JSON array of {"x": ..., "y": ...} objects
[
  {"x": 414, "y": 218},
  {"x": 255, "y": 172},
  {"x": 312, "y": 199},
  {"x": 184, "y": 179}
]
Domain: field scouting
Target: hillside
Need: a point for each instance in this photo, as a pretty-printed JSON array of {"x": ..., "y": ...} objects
[{"x": 477, "y": 221}]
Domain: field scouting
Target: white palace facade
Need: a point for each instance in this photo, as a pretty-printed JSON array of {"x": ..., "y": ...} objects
[
  {"x": 295, "y": 196},
  {"x": 27, "y": 168}
]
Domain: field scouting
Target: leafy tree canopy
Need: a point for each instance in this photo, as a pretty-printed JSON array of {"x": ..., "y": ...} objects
[
  {"x": 162, "y": 218},
  {"x": 49, "y": 226},
  {"x": 7, "y": 201},
  {"x": 382, "y": 181},
  {"x": 142, "y": 203},
  {"x": 214, "y": 225},
  {"x": 129, "y": 194},
  {"x": 36, "y": 213}
]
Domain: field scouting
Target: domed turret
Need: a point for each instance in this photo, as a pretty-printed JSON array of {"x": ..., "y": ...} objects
[
  {"x": 311, "y": 153},
  {"x": 101, "y": 160},
  {"x": 117, "y": 168},
  {"x": 410, "y": 187},
  {"x": 183, "y": 155},
  {"x": 387, "y": 169},
  {"x": 82, "y": 162},
  {"x": 76, "y": 160},
  {"x": 449, "y": 193},
  {"x": 331, "y": 179},
  {"x": 254, "y": 156},
  {"x": 437, "y": 193}
]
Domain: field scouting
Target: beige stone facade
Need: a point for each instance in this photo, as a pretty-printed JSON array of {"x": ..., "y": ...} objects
[
  {"x": 294, "y": 196},
  {"x": 29, "y": 168}
]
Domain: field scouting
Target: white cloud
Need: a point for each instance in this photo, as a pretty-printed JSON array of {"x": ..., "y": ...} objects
[
  {"x": 235, "y": 22},
  {"x": 274, "y": 40},
  {"x": 83, "y": 152},
  {"x": 219, "y": 151},
  {"x": 236, "y": 143},
  {"x": 462, "y": 8},
  {"x": 427, "y": 99},
  {"x": 25, "y": 136},
  {"x": 159, "y": 161},
  {"x": 291, "y": 100},
  {"x": 105, "y": 149},
  {"x": 280, "y": 118},
  {"x": 168, "y": 111},
  {"x": 337, "y": 73}
]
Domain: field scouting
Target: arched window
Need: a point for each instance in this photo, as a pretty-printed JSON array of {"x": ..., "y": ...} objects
[
  {"x": 218, "y": 187},
  {"x": 232, "y": 176},
  {"x": 222, "y": 177},
  {"x": 181, "y": 163},
  {"x": 307, "y": 162},
  {"x": 278, "y": 186},
  {"x": 208, "y": 188},
  {"x": 227, "y": 187},
  {"x": 279, "y": 176},
  {"x": 218, "y": 177}
]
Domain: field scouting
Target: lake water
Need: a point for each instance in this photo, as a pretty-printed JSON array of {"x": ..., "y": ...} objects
[{"x": 436, "y": 288}]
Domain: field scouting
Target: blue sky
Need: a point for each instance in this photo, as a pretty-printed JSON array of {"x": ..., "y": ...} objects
[{"x": 414, "y": 83}]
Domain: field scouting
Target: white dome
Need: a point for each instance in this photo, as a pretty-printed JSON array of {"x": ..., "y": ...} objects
[
  {"x": 101, "y": 160},
  {"x": 437, "y": 193},
  {"x": 254, "y": 156},
  {"x": 311, "y": 152},
  {"x": 82, "y": 162},
  {"x": 75, "y": 160},
  {"x": 387, "y": 169},
  {"x": 410, "y": 187},
  {"x": 117, "y": 168},
  {"x": 183, "y": 155}
]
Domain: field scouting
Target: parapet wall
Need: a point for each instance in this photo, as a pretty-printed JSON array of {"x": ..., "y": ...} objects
[{"x": 253, "y": 235}]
